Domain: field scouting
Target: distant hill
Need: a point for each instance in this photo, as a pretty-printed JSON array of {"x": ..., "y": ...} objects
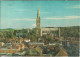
[{"x": 6, "y": 29}]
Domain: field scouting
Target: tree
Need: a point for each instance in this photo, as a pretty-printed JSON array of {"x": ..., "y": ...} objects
[
  {"x": 9, "y": 34},
  {"x": 70, "y": 31},
  {"x": 1, "y": 34}
]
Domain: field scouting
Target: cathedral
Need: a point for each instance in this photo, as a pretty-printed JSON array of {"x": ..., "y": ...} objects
[{"x": 45, "y": 30}]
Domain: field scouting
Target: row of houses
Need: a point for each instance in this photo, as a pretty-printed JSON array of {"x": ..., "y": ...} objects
[{"x": 10, "y": 48}]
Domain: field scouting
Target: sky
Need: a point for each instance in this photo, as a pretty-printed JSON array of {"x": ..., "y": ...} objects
[{"x": 23, "y": 14}]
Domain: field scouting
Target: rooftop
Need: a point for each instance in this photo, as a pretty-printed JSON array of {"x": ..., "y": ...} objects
[{"x": 62, "y": 52}]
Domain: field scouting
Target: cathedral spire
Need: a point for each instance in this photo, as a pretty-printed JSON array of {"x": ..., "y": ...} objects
[
  {"x": 38, "y": 14},
  {"x": 38, "y": 21},
  {"x": 38, "y": 24}
]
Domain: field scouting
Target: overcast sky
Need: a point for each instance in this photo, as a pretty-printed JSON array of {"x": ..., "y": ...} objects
[{"x": 23, "y": 14}]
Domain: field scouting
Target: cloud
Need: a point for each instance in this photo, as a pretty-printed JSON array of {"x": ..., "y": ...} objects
[
  {"x": 36, "y": 11},
  {"x": 43, "y": 12},
  {"x": 25, "y": 19},
  {"x": 65, "y": 17},
  {"x": 34, "y": 25},
  {"x": 75, "y": 6},
  {"x": 21, "y": 10}
]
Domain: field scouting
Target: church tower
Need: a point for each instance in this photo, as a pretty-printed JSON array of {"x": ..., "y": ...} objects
[{"x": 38, "y": 25}]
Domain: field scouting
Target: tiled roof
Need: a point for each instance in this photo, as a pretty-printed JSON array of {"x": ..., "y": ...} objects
[
  {"x": 49, "y": 29},
  {"x": 62, "y": 52}
]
